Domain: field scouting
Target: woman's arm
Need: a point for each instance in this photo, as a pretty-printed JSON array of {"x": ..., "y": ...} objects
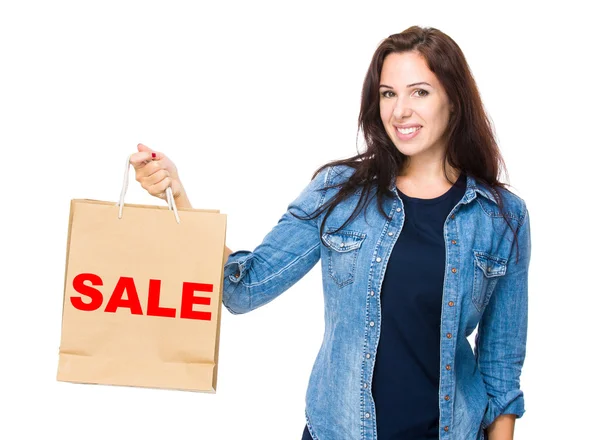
[
  {"x": 503, "y": 428},
  {"x": 286, "y": 254},
  {"x": 501, "y": 336}
]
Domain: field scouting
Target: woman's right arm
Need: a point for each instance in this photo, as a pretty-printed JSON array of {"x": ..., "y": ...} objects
[
  {"x": 287, "y": 253},
  {"x": 251, "y": 278}
]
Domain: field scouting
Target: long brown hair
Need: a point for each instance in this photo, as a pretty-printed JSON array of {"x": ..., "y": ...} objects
[{"x": 471, "y": 144}]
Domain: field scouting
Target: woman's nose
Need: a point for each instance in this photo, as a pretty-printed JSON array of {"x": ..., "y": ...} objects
[{"x": 402, "y": 109}]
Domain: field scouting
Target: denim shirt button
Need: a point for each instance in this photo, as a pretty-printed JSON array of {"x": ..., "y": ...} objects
[
  {"x": 365, "y": 386},
  {"x": 446, "y": 428},
  {"x": 446, "y": 398},
  {"x": 367, "y": 415},
  {"x": 448, "y": 367},
  {"x": 378, "y": 259},
  {"x": 398, "y": 209},
  {"x": 453, "y": 241},
  {"x": 454, "y": 270},
  {"x": 368, "y": 355},
  {"x": 449, "y": 335},
  {"x": 451, "y": 303},
  {"x": 372, "y": 324},
  {"x": 390, "y": 233},
  {"x": 372, "y": 293}
]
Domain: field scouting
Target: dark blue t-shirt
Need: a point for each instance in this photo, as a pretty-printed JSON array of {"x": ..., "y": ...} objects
[{"x": 406, "y": 375}]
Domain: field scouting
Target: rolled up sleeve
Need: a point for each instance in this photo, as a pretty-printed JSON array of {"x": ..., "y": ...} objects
[
  {"x": 502, "y": 334},
  {"x": 254, "y": 278}
]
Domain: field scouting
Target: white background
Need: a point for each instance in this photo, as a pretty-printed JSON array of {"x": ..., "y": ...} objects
[{"x": 248, "y": 99}]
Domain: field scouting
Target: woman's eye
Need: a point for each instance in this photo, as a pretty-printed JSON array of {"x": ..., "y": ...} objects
[
  {"x": 422, "y": 95},
  {"x": 387, "y": 93}
]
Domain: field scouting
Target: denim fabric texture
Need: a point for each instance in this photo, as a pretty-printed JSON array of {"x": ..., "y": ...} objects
[{"x": 484, "y": 288}]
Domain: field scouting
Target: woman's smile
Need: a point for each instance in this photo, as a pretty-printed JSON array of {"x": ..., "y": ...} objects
[{"x": 405, "y": 134}]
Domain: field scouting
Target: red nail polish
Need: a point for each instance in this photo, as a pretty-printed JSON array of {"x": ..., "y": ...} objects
[{"x": 153, "y": 155}]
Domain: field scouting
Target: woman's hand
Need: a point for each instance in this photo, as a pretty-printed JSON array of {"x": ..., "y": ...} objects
[{"x": 156, "y": 172}]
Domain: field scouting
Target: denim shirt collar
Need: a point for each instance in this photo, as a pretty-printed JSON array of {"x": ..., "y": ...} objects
[{"x": 473, "y": 188}]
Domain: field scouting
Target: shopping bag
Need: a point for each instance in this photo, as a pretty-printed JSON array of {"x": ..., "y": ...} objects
[{"x": 142, "y": 295}]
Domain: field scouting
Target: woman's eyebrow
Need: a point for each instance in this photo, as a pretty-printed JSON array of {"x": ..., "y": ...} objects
[{"x": 410, "y": 85}]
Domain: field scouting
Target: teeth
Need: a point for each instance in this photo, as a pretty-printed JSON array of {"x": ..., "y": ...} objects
[{"x": 408, "y": 130}]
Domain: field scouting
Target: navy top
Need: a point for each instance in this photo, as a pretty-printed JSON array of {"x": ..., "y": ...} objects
[
  {"x": 407, "y": 365},
  {"x": 405, "y": 383}
]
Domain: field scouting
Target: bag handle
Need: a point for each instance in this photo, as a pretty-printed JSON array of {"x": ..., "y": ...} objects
[{"x": 169, "y": 194}]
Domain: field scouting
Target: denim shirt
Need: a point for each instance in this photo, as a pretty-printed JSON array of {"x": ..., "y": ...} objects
[{"x": 484, "y": 287}]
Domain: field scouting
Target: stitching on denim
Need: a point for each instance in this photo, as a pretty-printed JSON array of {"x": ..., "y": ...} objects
[
  {"x": 352, "y": 253},
  {"x": 488, "y": 256},
  {"x": 347, "y": 233},
  {"x": 482, "y": 282},
  {"x": 494, "y": 214},
  {"x": 342, "y": 282}
]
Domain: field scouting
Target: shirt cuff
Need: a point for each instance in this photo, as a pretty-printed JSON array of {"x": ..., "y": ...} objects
[
  {"x": 236, "y": 265},
  {"x": 510, "y": 403}
]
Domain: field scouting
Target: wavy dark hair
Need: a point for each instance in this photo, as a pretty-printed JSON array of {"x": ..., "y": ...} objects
[{"x": 470, "y": 142}]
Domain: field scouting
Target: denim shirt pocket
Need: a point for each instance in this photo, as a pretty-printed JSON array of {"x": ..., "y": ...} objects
[
  {"x": 488, "y": 268},
  {"x": 342, "y": 254}
]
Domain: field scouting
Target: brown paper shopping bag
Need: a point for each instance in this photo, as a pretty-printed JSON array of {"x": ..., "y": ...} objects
[{"x": 142, "y": 295}]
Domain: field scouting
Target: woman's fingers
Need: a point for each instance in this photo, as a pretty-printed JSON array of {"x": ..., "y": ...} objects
[
  {"x": 145, "y": 166},
  {"x": 155, "y": 172},
  {"x": 140, "y": 159},
  {"x": 159, "y": 189},
  {"x": 154, "y": 178},
  {"x": 155, "y": 183}
]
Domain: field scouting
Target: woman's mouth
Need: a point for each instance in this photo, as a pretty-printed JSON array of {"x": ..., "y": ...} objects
[{"x": 405, "y": 134}]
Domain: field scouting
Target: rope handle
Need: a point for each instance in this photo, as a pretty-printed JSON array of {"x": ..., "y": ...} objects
[{"x": 169, "y": 194}]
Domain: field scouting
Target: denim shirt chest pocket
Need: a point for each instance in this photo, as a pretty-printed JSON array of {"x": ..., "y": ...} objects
[
  {"x": 342, "y": 252},
  {"x": 488, "y": 269}
]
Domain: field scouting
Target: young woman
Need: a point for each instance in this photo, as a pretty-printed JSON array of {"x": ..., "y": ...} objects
[{"x": 419, "y": 243}]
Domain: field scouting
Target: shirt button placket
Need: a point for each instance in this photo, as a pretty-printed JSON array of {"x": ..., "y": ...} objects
[{"x": 451, "y": 304}]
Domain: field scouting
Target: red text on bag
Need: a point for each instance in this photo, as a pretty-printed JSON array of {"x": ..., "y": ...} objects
[{"x": 132, "y": 300}]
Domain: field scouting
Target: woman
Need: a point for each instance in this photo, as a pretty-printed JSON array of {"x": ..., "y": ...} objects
[{"x": 419, "y": 244}]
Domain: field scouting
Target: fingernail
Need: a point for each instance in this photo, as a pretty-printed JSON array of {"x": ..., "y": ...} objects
[{"x": 153, "y": 155}]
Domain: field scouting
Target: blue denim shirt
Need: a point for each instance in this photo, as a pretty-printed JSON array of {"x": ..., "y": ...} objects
[{"x": 484, "y": 287}]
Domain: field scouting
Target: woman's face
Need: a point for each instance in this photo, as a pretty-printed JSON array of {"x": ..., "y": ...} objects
[{"x": 413, "y": 106}]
